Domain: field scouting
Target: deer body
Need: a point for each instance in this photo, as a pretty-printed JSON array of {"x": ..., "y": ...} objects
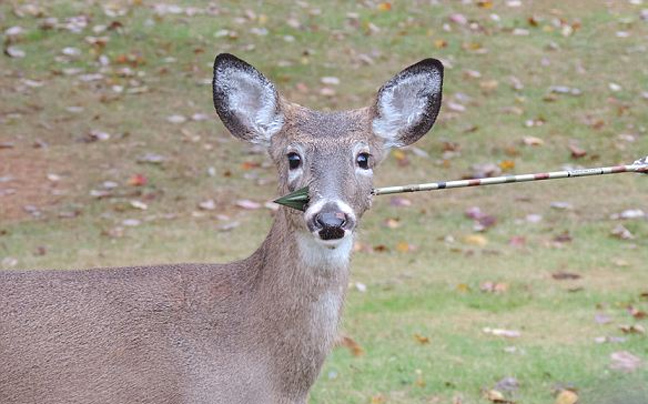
[{"x": 251, "y": 331}]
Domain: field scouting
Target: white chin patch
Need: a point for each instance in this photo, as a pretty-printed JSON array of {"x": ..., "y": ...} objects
[{"x": 325, "y": 253}]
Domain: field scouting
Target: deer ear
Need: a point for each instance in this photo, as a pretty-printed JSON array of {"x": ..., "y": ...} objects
[
  {"x": 408, "y": 104},
  {"x": 246, "y": 101}
]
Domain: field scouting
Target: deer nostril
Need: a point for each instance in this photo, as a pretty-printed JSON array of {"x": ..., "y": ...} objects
[{"x": 331, "y": 219}]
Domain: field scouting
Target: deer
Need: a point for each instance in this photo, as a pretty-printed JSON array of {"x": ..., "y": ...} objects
[{"x": 252, "y": 331}]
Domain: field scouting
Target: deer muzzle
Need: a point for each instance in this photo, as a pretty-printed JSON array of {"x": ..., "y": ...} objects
[{"x": 330, "y": 220}]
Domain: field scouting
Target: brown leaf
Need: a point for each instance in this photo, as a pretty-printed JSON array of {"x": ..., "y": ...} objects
[
  {"x": 378, "y": 399},
  {"x": 506, "y": 165},
  {"x": 421, "y": 339},
  {"x": 560, "y": 276},
  {"x": 636, "y": 313},
  {"x": 496, "y": 397},
  {"x": 563, "y": 237},
  {"x": 566, "y": 397},
  {"x": 577, "y": 152},
  {"x": 349, "y": 343},
  {"x": 137, "y": 180},
  {"x": 633, "y": 329},
  {"x": 494, "y": 287},
  {"x": 621, "y": 232},
  {"x": 381, "y": 248}
]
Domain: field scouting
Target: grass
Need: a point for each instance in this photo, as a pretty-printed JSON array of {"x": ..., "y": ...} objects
[{"x": 432, "y": 291}]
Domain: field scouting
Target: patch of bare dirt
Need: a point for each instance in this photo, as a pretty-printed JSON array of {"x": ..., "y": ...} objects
[{"x": 29, "y": 183}]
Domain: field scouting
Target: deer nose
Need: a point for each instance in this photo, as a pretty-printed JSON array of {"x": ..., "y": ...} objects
[
  {"x": 331, "y": 219},
  {"x": 330, "y": 223}
]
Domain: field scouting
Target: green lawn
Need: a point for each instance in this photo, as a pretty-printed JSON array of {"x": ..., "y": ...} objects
[{"x": 420, "y": 322}]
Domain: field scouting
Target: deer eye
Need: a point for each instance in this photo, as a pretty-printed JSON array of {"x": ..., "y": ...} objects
[
  {"x": 363, "y": 161},
  {"x": 294, "y": 161}
]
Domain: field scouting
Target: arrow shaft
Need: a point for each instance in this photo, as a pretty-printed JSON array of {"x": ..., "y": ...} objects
[{"x": 509, "y": 179}]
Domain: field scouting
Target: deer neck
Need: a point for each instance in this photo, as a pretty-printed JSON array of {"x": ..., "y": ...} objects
[
  {"x": 303, "y": 284},
  {"x": 292, "y": 260}
]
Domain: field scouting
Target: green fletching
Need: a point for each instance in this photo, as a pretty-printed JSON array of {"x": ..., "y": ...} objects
[{"x": 296, "y": 200}]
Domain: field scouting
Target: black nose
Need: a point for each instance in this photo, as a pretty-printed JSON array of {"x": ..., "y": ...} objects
[
  {"x": 332, "y": 224},
  {"x": 331, "y": 219}
]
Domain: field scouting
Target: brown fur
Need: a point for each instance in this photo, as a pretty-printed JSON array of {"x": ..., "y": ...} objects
[{"x": 252, "y": 331}]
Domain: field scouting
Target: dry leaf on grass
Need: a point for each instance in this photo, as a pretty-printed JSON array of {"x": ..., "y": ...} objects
[
  {"x": 499, "y": 332},
  {"x": 624, "y": 361},
  {"x": 350, "y": 344},
  {"x": 566, "y": 397}
]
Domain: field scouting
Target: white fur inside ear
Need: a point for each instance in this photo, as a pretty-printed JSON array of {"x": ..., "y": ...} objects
[
  {"x": 254, "y": 102},
  {"x": 402, "y": 104}
]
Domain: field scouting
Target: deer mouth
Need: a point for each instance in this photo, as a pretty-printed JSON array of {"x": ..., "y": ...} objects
[{"x": 331, "y": 233}]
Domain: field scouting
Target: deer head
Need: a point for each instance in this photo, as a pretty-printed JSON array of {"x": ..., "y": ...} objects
[{"x": 333, "y": 153}]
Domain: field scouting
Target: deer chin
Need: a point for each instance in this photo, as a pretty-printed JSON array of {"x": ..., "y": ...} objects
[{"x": 325, "y": 253}]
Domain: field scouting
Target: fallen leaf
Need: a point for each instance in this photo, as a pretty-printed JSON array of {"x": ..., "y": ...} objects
[
  {"x": 493, "y": 287},
  {"x": 624, "y": 361},
  {"x": 9, "y": 262},
  {"x": 577, "y": 152},
  {"x": 458, "y": 18},
  {"x": 496, "y": 397},
  {"x": 601, "y": 318},
  {"x": 385, "y": 6},
  {"x": 498, "y": 332},
  {"x": 566, "y": 397},
  {"x": 421, "y": 339},
  {"x": 463, "y": 288},
  {"x": 517, "y": 241},
  {"x": 14, "y": 52},
  {"x": 381, "y": 248},
  {"x": 350, "y": 344},
  {"x": 506, "y": 165},
  {"x": 636, "y": 313},
  {"x": 330, "y": 80},
  {"x": 561, "y": 205},
  {"x": 563, "y": 237},
  {"x": 176, "y": 119},
  {"x": 629, "y": 214},
  {"x": 138, "y": 205},
  {"x": 508, "y": 384},
  {"x": 560, "y": 276},
  {"x": 131, "y": 222},
  {"x": 151, "y": 158},
  {"x": 622, "y": 233},
  {"x": 378, "y": 399},
  {"x": 392, "y": 223},
  {"x": 360, "y": 287},
  {"x": 485, "y": 4},
  {"x": 633, "y": 329},
  {"x": 228, "y": 226},
  {"x": 137, "y": 180},
  {"x": 209, "y": 204},
  {"x": 399, "y": 201},
  {"x": 405, "y": 247},
  {"x": 475, "y": 239},
  {"x": 610, "y": 340},
  {"x": 248, "y": 204}
]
